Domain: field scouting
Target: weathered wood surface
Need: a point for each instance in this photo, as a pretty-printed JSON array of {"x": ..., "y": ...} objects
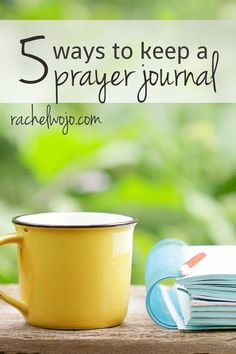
[{"x": 138, "y": 334}]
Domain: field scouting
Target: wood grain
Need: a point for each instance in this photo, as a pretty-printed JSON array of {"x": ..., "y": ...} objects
[{"x": 138, "y": 334}]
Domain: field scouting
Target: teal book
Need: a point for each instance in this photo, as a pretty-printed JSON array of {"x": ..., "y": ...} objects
[{"x": 203, "y": 299}]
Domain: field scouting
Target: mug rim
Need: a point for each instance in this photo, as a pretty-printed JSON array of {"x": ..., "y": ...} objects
[{"x": 128, "y": 220}]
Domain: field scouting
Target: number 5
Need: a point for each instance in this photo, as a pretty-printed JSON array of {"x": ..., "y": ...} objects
[{"x": 40, "y": 60}]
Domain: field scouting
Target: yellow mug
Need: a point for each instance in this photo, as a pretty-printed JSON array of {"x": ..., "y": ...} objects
[{"x": 74, "y": 268}]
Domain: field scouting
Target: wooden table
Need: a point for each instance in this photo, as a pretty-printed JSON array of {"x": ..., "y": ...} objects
[{"x": 138, "y": 334}]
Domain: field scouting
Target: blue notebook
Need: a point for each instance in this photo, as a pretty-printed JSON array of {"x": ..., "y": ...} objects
[{"x": 203, "y": 299}]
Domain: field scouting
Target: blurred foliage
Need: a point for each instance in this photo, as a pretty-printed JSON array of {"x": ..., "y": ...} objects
[
  {"x": 172, "y": 166},
  {"x": 117, "y": 9}
]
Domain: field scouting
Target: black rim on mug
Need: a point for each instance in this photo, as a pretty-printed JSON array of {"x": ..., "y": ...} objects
[{"x": 118, "y": 220}]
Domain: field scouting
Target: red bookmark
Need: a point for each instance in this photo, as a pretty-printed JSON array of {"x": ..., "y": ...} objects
[{"x": 188, "y": 266}]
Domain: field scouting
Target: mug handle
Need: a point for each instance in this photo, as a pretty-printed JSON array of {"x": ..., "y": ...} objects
[{"x": 19, "y": 305}]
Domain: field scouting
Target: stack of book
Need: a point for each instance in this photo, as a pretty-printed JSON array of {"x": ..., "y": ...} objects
[{"x": 204, "y": 294}]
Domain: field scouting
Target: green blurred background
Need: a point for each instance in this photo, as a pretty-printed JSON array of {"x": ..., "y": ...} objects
[{"x": 172, "y": 166}]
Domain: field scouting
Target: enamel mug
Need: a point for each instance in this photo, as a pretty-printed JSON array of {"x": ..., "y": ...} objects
[{"x": 74, "y": 268}]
